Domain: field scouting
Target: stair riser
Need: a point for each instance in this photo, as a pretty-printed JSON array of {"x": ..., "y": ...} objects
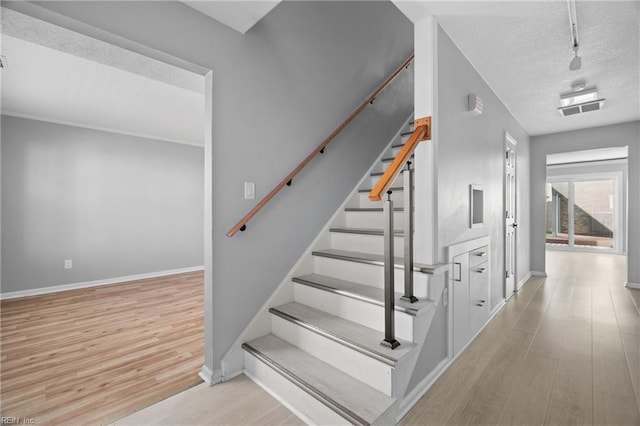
[
  {"x": 300, "y": 402},
  {"x": 372, "y": 275},
  {"x": 364, "y": 243},
  {"x": 355, "y": 310},
  {"x": 397, "y": 197},
  {"x": 362, "y": 367},
  {"x": 372, "y": 220}
]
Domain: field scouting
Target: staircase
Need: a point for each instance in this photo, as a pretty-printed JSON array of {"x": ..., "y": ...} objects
[{"x": 323, "y": 357}]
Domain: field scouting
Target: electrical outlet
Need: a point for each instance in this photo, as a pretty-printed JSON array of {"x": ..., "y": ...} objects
[
  {"x": 68, "y": 264},
  {"x": 249, "y": 190}
]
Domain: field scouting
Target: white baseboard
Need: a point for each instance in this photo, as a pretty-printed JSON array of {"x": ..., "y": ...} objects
[
  {"x": 278, "y": 398},
  {"x": 632, "y": 285},
  {"x": 425, "y": 384},
  {"x": 210, "y": 377},
  {"x": 496, "y": 309},
  {"x": 538, "y": 274},
  {"x": 96, "y": 283},
  {"x": 524, "y": 280},
  {"x": 421, "y": 388}
]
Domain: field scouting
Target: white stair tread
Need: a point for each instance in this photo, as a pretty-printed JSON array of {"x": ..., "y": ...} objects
[
  {"x": 356, "y": 336},
  {"x": 366, "y": 231},
  {"x": 377, "y": 259},
  {"x": 361, "y": 292},
  {"x": 352, "y": 399}
]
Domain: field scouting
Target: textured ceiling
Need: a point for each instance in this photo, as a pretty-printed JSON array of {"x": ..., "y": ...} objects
[{"x": 523, "y": 49}]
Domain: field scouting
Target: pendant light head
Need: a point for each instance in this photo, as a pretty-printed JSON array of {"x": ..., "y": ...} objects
[{"x": 576, "y": 62}]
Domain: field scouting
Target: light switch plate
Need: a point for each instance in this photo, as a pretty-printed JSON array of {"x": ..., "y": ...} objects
[{"x": 249, "y": 190}]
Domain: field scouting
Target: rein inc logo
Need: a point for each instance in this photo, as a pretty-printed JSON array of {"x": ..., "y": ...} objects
[{"x": 8, "y": 420}]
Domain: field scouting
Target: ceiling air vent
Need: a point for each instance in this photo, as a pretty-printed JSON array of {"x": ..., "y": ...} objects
[
  {"x": 580, "y": 108},
  {"x": 580, "y": 100}
]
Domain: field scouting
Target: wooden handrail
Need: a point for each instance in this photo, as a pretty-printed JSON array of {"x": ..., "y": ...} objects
[
  {"x": 242, "y": 223},
  {"x": 421, "y": 133}
]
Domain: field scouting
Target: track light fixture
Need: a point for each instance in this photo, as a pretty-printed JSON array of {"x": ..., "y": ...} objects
[{"x": 576, "y": 62}]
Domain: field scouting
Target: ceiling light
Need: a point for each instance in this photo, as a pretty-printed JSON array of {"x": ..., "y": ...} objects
[
  {"x": 576, "y": 62},
  {"x": 580, "y": 101},
  {"x": 582, "y": 96}
]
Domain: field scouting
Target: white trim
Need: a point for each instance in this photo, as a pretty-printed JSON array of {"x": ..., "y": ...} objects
[
  {"x": 523, "y": 280},
  {"x": 210, "y": 377},
  {"x": 632, "y": 285},
  {"x": 508, "y": 139},
  {"x": 98, "y": 128},
  {"x": 538, "y": 274},
  {"x": 291, "y": 408},
  {"x": 495, "y": 310},
  {"x": 96, "y": 283},
  {"x": 620, "y": 236},
  {"x": 587, "y": 163},
  {"x": 412, "y": 398}
]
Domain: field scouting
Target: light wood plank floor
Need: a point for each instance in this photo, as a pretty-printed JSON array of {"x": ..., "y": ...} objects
[
  {"x": 564, "y": 350},
  {"x": 93, "y": 355}
]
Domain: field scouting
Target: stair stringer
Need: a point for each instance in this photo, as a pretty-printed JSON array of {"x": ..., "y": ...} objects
[
  {"x": 232, "y": 364},
  {"x": 422, "y": 325}
]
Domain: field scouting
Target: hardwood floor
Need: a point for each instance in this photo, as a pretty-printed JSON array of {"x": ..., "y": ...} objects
[
  {"x": 238, "y": 401},
  {"x": 94, "y": 355},
  {"x": 564, "y": 350}
]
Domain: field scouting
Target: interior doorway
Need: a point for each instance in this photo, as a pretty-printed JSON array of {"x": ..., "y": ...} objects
[
  {"x": 586, "y": 201},
  {"x": 510, "y": 215}
]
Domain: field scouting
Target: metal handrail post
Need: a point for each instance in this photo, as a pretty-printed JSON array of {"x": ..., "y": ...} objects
[
  {"x": 408, "y": 235},
  {"x": 389, "y": 284}
]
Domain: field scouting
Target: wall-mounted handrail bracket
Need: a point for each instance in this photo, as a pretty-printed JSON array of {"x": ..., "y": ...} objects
[
  {"x": 320, "y": 149},
  {"x": 243, "y": 228}
]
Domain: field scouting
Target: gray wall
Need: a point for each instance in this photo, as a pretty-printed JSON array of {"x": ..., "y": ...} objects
[
  {"x": 116, "y": 205},
  {"x": 277, "y": 92},
  {"x": 578, "y": 140},
  {"x": 471, "y": 151}
]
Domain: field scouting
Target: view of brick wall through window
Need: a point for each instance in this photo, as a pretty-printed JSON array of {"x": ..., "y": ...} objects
[{"x": 593, "y": 214}]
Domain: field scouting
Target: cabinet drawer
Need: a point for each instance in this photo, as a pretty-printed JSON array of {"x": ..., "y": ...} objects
[
  {"x": 479, "y": 284},
  {"x": 478, "y": 256},
  {"x": 478, "y": 297}
]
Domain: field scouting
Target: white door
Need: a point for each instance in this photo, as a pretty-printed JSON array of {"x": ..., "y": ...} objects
[{"x": 511, "y": 224}]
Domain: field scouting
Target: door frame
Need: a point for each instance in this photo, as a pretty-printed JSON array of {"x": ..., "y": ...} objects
[
  {"x": 619, "y": 235},
  {"x": 508, "y": 139}
]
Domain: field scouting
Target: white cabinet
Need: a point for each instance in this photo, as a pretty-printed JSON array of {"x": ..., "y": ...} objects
[{"x": 469, "y": 286}]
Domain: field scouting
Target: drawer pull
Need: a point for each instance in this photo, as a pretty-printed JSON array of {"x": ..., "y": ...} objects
[
  {"x": 479, "y": 304},
  {"x": 459, "y": 265},
  {"x": 481, "y": 270},
  {"x": 481, "y": 254}
]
